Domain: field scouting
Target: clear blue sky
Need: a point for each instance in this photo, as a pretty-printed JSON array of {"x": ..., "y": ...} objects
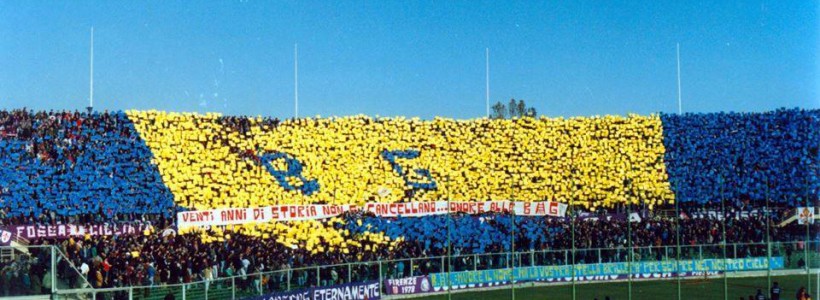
[{"x": 410, "y": 58}]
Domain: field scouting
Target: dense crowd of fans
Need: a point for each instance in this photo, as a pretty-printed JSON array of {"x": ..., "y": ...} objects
[
  {"x": 771, "y": 155},
  {"x": 26, "y": 275},
  {"x": 158, "y": 259},
  {"x": 79, "y": 168},
  {"x": 57, "y": 165},
  {"x": 204, "y": 159}
]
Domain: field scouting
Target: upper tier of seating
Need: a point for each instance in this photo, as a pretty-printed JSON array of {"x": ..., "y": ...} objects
[
  {"x": 59, "y": 164},
  {"x": 208, "y": 161},
  {"x": 109, "y": 164},
  {"x": 744, "y": 156}
]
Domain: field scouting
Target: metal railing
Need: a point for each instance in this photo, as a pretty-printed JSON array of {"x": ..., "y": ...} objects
[{"x": 798, "y": 256}]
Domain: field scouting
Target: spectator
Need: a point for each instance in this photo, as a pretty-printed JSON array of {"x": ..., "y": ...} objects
[
  {"x": 775, "y": 291},
  {"x": 801, "y": 294}
]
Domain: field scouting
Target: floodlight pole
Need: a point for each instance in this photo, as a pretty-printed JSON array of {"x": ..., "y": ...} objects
[
  {"x": 680, "y": 107},
  {"x": 296, "y": 81},
  {"x": 91, "y": 74},
  {"x": 487, "y": 82}
]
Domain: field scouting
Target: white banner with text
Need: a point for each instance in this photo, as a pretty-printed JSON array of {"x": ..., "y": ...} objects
[{"x": 236, "y": 216}]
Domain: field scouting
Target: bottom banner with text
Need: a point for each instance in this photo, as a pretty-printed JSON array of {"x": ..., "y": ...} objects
[
  {"x": 421, "y": 284},
  {"x": 368, "y": 290},
  {"x": 600, "y": 271}
]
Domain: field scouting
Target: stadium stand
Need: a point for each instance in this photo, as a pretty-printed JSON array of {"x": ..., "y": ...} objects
[{"x": 121, "y": 167}]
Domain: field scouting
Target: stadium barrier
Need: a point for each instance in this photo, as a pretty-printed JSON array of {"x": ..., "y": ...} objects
[{"x": 429, "y": 275}]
